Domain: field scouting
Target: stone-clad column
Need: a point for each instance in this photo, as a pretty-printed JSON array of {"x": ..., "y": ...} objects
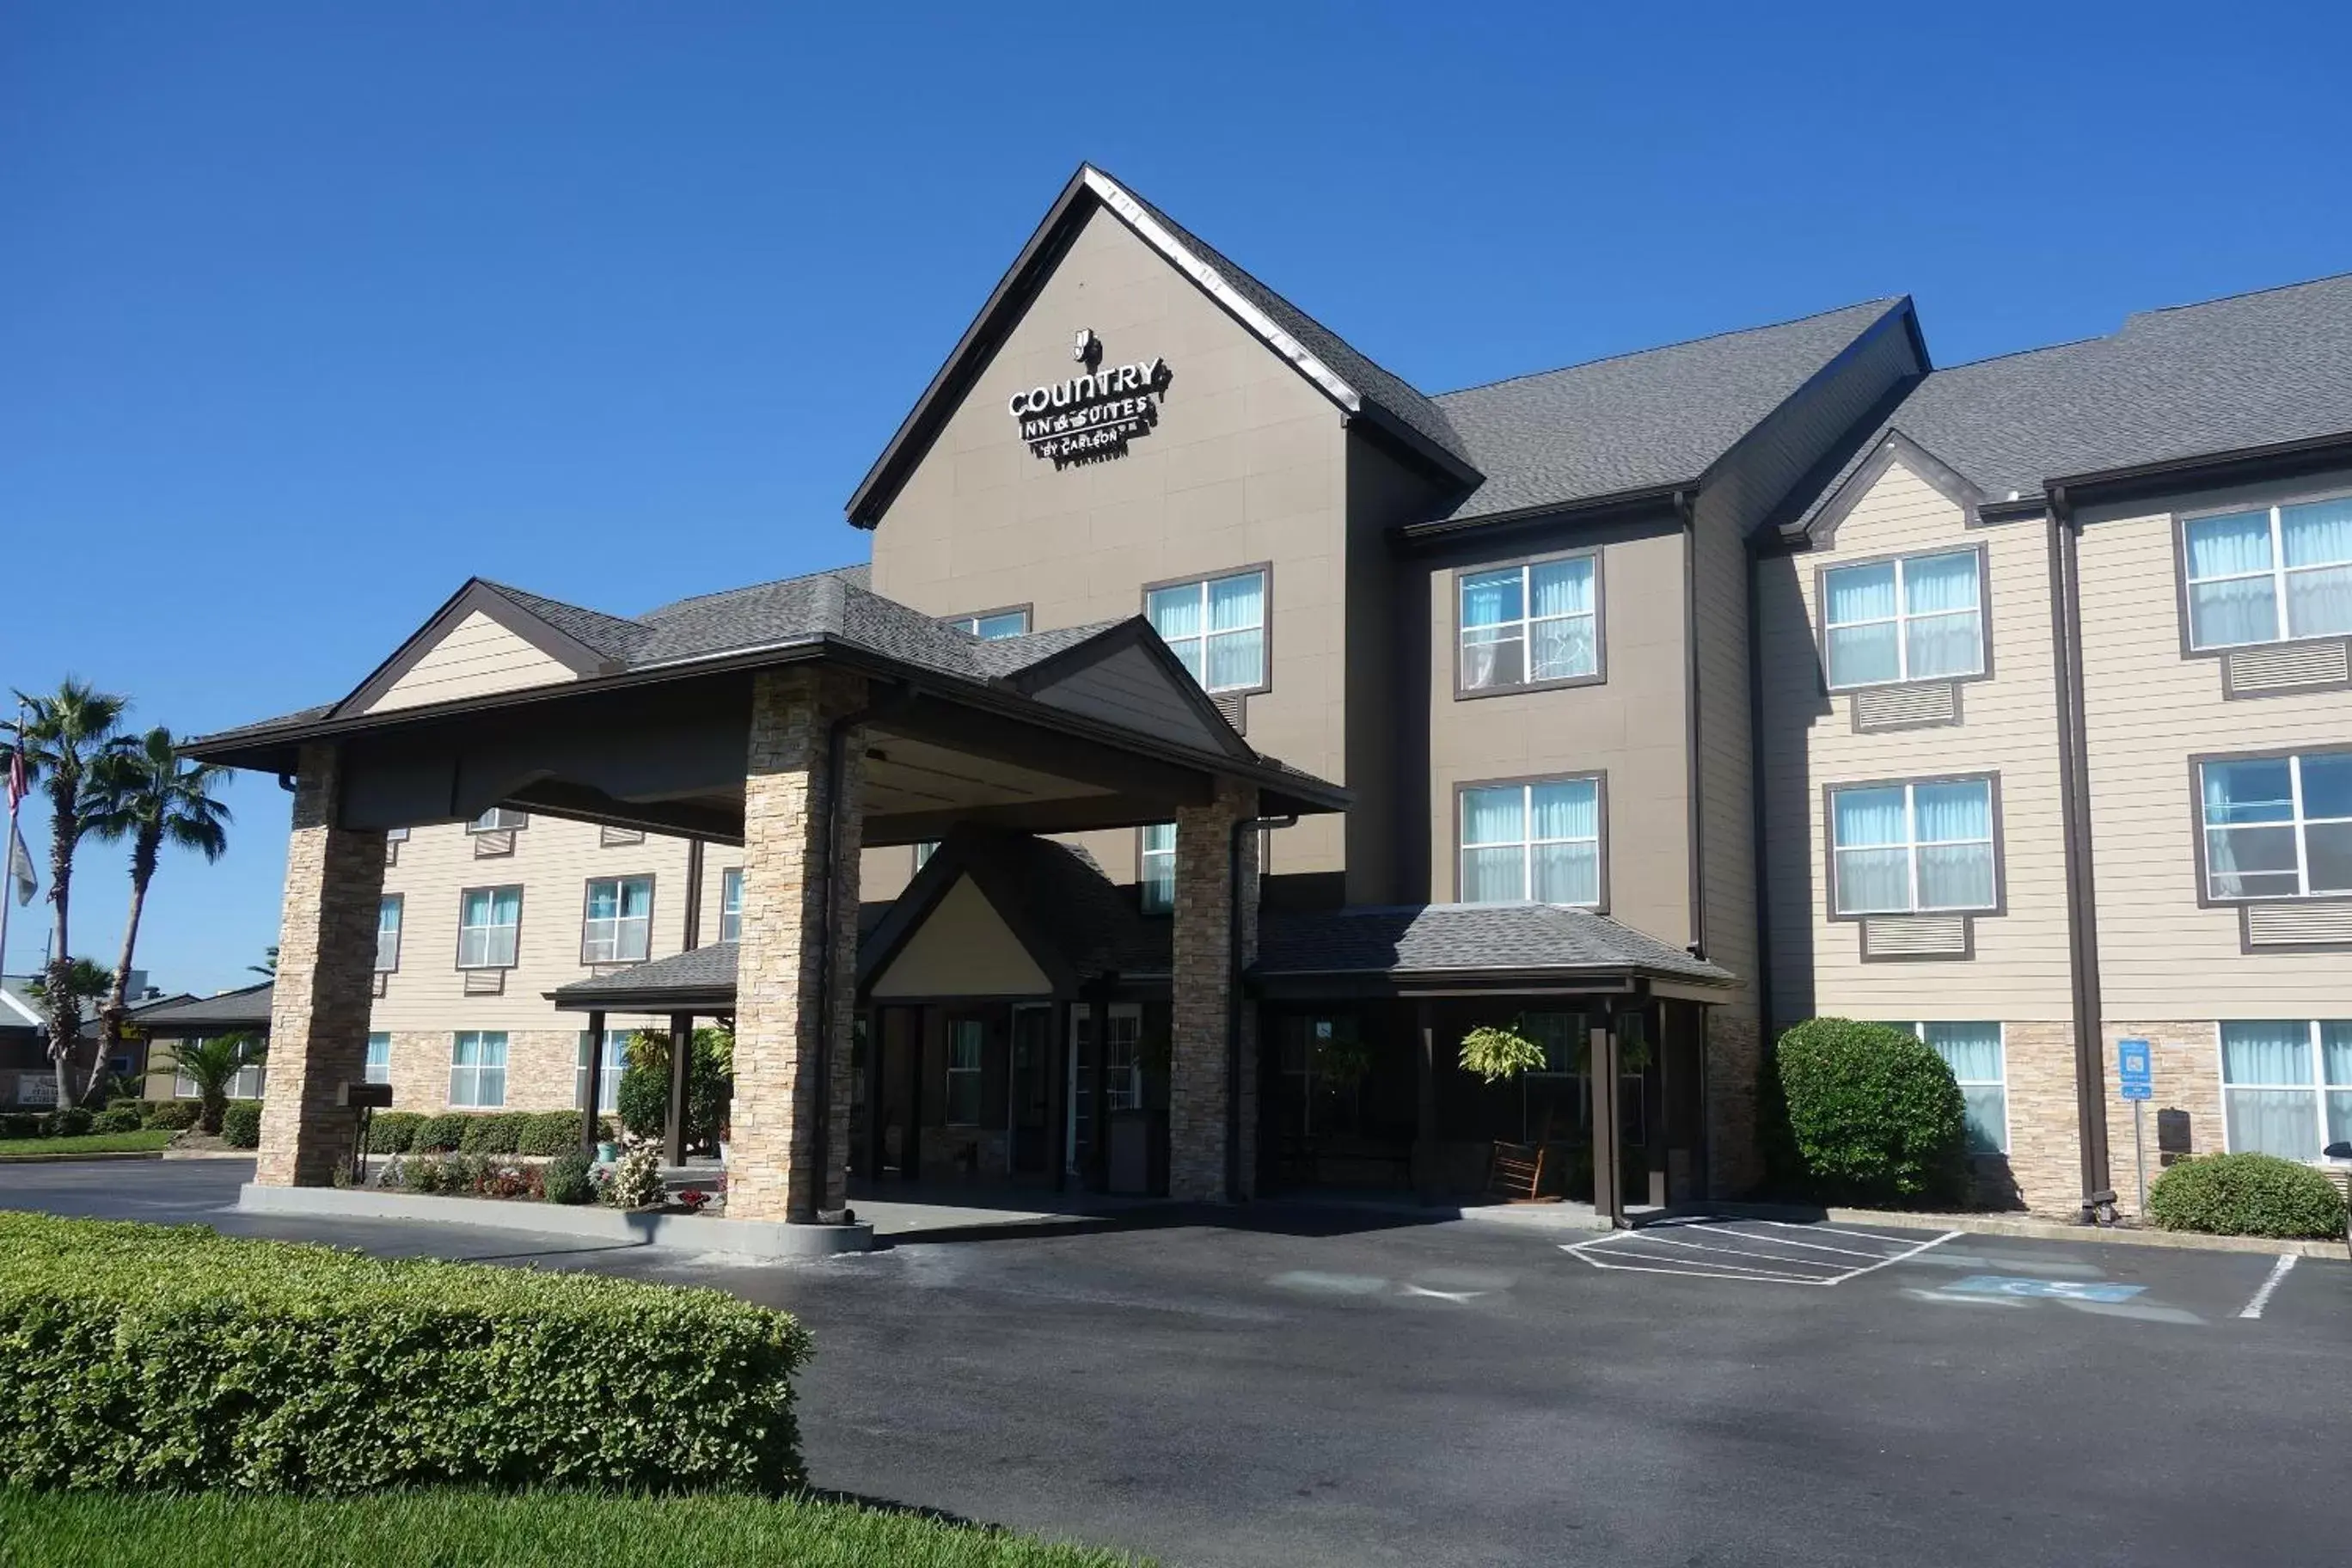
[
  {"x": 326, "y": 965},
  {"x": 772, "y": 1162},
  {"x": 1203, "y": 991}
]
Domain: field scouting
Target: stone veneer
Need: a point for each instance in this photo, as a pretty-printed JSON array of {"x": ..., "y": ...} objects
[
  {"x": 326, "y": 965},
  {"x": 1735, "y": 1055},
  {"x": 2044, "y": 1169},
  {"x": 542, "y": 1070},
  {"x": 1202, "y": 990},
  {"x": 2185, "y": 1058},
  {"x": 772, "y": 1166}
]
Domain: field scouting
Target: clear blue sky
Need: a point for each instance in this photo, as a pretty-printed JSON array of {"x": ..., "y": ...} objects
[{"x": 307, "y": 312}]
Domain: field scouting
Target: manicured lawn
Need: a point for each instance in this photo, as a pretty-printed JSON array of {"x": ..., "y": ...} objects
[
  {"x": 413, "y": 1530},
  {"x": 91, "y": 1143}
]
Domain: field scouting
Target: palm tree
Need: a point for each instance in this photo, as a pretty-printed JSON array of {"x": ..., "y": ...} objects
[
  {"x": 269, "y": 964},
  {"x": 64, "y": 738},
  {"x": 86, "y": 981},
  {"x": 211, "y": 1065},
  {"x": 153, "y": 797}
]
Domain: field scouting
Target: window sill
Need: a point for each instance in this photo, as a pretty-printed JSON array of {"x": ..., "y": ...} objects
[{"x": 1565, "y": 683}]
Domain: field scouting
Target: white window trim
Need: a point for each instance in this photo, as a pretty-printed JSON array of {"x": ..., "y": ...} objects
[
  {"x": 463, "y": 928},
  {"x": 368, "y": 1069},
  {"x": 2317, "y": 1086},
  {"x": 619, "y": 924},
  {"x": 1919, "y": 1032},
  {"x": 1912, "y": 844},
  {"x": 730, "y": 880},
  {"x": 612, "y": 1061},
  {"x": 1265, "y": 614},
  {"x": 2298, "y": 822},
  {"x": 1527, "y": 843},
  {"x": 1526, "y": 621},
  {"x": 971, "y": 623},
  {"x": 398, "y": 904},
  {"x": 481, "y": 1038},
  {"x": 2278, "y": 573},
  {"x": 1144, "y": 857},
  {"x": 1900, "y": 620}
]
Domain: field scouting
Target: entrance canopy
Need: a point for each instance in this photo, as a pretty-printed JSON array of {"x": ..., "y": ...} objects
[{"x": 509, "y": 698}]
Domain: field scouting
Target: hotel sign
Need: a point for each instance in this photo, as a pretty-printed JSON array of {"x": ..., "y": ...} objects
[{"x": 1093, "y": 415}]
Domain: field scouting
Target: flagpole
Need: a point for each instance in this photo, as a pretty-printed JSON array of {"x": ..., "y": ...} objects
[{"x": 8, "y": 849}]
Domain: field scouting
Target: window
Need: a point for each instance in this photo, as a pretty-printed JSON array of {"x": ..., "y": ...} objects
[
  {"x": 497, "y": 819},
  {"x": 924, "y": 851},
  {"x": 387, "y": 934},
  {"x": 1123, "y": 1059},
  {"x": 993, "y": 624},
  {"x": 1973, "y": 1052},
  {"x": 1156, "y": 863},
  {"x": 1216, "y": 627},
  {"x": 1537, "y": 843},
  {"x": 1531, "y": 624},
  {"x": 488, "y": 920},
  {"x": 730, "y": 904},
  {"x": 1902, "y": 849},
  {"x": 1562, "y": 1038},
  {"x": 477, "y": 1070},
  {"x": 1918, "y": 618},
  {"x": 619, "y": 925},
  {"x": 2270, "y": 574},
  {"x": 2286, "y": 1087},
  {"x": 379, "y": 1058},
  {"x": 2277, "y": 827},
  {"x": 247, "y": 1083},
  {"x": 967, "y": 1044},
  {"x": 612, "y": 1061}
]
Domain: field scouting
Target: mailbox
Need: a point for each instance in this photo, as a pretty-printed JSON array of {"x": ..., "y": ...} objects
[{"x": 365, "y": 1096}]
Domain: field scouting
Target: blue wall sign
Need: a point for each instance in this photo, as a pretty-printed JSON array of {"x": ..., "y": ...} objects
[{"x": 2135, "y": 1069}]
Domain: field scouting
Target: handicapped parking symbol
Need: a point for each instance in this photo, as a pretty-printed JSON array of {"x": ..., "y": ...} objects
[{"x": 2063, "y": 1290}]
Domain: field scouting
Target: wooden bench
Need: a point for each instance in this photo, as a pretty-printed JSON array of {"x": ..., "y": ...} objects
[{"x": 1516, "y": 1170}]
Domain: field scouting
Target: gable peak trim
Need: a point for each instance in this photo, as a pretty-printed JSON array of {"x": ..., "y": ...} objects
[
  {"x": 482, "y": 596},
  {"x": 1894, "y": 447}
]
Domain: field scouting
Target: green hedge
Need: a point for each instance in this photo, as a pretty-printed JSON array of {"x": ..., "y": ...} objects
[
  {"x": 475, "y": 1132},
  {"x": 392, "y": 1132},
  {"x": 241, "y": 1124},
  {"x": 175, "y": 1115},
  {"x": 24, "y": 1125},
  {"x": 1864, "y": 1112},
  {"x": 171, "y": 1357},
  {"x": 73, "y": 1122},
  {"x": 2247, "y": 1194},
  {"x": 494, "y": 1134},
  {"x": 116, "y": 1119},
  {"x": 440, "y": 1134}
]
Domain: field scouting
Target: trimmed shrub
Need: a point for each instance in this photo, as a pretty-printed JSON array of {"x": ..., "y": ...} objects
[
  {"x": 2247, "y": 1194},
  {"x": 549, "y": 1133},
  {"x": 493, "y": 1134},
  {"x": 567, "y": 1181},
  {"x": 1871, "y": 1114},
  {"x": 73, "y": 1122},
  {"x": 241, "y": 1124},
  {"x": 116, "y": 1119},
  {"x": 439, "y": 1134},
  {"x": 22, "y": 1123},
  {"x": 172, "y": 1115},
  {"x": 394, "y": 1131},
  {"x": 172, "y": 1358}
]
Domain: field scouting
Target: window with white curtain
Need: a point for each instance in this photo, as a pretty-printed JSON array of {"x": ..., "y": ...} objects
[
  {"x": 379, "y": 1058},
  {"x": 2270, "y": 575},
  {"x": 477, "y": 1070},
  {"x": 1156, "y": 863},
  {"x": 1532, "y": 843},
  {"x": 1530, "y": 623},
  {"x": 2286, "y": 1086},
  {"x": 612, "y": 1061},
  {"x": 2277, "y": 827},
  {"x": 246, "y": 1083},
  {"x": 1216, "y": 627},
  {"x": 619, "y": 925},
  {"x": 1899, "y": 848},
  {"x": 989, "y": 628},
  {"x": 1973, "y": 1052},
  {"x": 1917, "y": 617},
  {"x": 730, "y": 904},
  {"x": 489, "y": 921},
  {"x": 387, "y": 934}
]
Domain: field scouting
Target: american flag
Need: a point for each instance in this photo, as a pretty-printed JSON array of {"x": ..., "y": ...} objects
[{"x": 16, "y": 785}]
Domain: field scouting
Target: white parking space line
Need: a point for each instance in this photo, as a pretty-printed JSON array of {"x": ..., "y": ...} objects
[
  {"x": 1702, "y": 1249},
  {"x": 1834, "y": 1230},
  {"x": 2279, "y": 1271}
]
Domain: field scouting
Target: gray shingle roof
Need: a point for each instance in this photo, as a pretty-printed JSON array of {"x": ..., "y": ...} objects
[
  {"x": 245, "y": 1008},
  {"x": 1640, "y": 421},
  {"x": 699, "y": 971},
  {"x": 1385, "y": 390},
  {"x": 1418, "y": 938},
  {"x": 609, "y": 635},
  {"x": 2253, "y": 370}
]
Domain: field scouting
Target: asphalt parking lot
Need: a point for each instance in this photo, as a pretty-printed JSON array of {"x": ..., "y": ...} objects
[{"x": 1318, "y": 1387}]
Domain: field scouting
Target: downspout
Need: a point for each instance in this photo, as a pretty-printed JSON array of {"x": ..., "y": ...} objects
[
  {"x": 1687, "y": 508},
  {"x": 836, "y": 750},
  {"x": 1759, "y": 818},
  {"x": 693, "y": 933},
  {"x": 1234, "y": 966},
  {"x": 2082, "y": 910}
]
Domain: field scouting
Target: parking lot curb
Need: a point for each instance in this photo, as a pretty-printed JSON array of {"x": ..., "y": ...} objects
[
  {"x": 2025, "y": 1228},
  {"x": 93, "y": 1158}
]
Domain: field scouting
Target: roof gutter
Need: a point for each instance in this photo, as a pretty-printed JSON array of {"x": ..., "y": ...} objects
[{"x": 1596, "y": 507}]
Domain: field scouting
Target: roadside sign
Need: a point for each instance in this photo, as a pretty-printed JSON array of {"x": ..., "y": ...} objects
[{"x": 2134, "y": 1069}]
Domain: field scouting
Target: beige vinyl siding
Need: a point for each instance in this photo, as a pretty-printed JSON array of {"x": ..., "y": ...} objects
[
  {"x": 1630, "y": 726},
  {"x": 2020, "y": 972},
  {"x": 2147, "y": 711},
  {"x": 963, "y": 949},
  {"x": 553, "y": 861},
  {"x": 477, "y": 656},
  {"x": 1247, "y": 466}
]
